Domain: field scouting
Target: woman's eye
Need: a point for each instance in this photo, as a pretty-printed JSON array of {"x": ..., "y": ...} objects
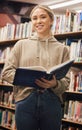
[
  {"x": 34, "y": 18},
  {"x": 43, "y": 17}
]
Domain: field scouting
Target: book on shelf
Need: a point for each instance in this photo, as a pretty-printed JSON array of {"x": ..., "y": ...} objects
[{"x": 26, "y": 76}]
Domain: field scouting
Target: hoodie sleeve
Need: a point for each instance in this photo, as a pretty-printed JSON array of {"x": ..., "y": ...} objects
[
  {"x": 11, "y": 64},
  {"x": 63, "y": 84}
]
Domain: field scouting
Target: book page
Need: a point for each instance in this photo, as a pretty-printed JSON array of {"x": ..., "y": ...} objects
[{"x": 38, "y": 68}]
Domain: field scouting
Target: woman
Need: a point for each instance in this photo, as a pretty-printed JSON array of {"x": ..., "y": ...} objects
[{"x": 36, "y": 108}]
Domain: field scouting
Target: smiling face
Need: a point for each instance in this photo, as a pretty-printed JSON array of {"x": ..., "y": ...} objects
[{"x": 41, "y": 22}]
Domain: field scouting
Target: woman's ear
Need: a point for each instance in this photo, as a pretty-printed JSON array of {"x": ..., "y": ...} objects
[{"x": 52, "y": 21}]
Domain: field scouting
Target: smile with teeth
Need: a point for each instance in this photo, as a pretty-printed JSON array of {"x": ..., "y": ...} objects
[{"x": 39, "y": 26}]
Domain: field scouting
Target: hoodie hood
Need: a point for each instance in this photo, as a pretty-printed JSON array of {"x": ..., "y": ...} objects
[{"x": 51, "y": 38}]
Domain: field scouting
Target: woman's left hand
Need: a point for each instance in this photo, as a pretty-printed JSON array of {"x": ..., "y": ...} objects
[{"x": 43, "y": 83}]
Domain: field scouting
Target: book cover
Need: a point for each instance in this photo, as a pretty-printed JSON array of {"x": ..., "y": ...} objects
[{"x": 27, "y": 76}]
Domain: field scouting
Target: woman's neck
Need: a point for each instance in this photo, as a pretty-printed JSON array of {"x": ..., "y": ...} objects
[{"x": 45, "y": 36}]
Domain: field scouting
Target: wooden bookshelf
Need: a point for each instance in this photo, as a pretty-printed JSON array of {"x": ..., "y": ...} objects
[
  {"x": 58, "y": 36},
  {"x": 74, "y": 35},
  {"x": 68, "y": 95},
  {"x": 5, "y": 127},
  {"x": 72, "y": 123},
  {"x": 73, "y": 95},
  {"x": 9, "y": 108},
  {"x": 8, "y": 42},
  {"x": 78, "y": 65}
]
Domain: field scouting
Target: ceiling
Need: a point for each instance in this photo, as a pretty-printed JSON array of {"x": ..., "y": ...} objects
[
  {"x": 24, "y": 7},
  {"x": 53, "y": 2}
]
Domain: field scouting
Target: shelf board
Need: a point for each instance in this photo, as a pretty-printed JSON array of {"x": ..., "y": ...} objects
[
  {"x": 5, "y": 127},
  {"x": 68, "y": 95},
  {"x": 77, "y": 64},
  {"x": 1, "y": 64},
  {"x": 6, "y": 107},
  {"x": 73, "y": 92},
  {"x": 58, "y": 36},
  {"x": 8, "y": 42},
  {"x": 68, "y": 35},
  {"x": 6, "y": 85},
  {"x": 71, "y": 123}
]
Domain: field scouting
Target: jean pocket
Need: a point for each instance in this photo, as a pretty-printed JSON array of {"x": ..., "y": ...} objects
[{"x": 25, "y": 99}]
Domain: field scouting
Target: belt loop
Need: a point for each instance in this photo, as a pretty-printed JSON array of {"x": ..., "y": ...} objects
[{"x": 41, "y": 90}]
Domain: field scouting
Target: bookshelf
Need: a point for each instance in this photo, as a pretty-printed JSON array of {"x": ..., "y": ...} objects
[
  {"x": 5, "y": 128},
  {"x": 7, "y": 106},
  {"x": 72, "y": 35},
  {"x": 72, "y": 116},
  {"x": 62, "y": 36},
  {"x": 69, "y": 95},
  {"x": 67, "y": 122},
  {"x": 8, "y": 42},
  {"x": 71, "y": 123}
]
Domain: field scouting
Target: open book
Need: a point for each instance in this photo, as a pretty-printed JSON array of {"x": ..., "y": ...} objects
[{"x": 27, "y": 76}]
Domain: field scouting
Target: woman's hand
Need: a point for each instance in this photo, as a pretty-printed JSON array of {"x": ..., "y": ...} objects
[{"x": 46, "y": 83}]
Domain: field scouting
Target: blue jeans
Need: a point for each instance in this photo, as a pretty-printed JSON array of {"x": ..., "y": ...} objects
[{"x": 39, "y": 111}]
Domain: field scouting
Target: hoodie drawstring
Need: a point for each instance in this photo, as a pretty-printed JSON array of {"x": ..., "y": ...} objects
[{"x": 46, "y": 50}]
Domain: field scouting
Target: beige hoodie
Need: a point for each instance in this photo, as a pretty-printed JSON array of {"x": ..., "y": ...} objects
[{"x": 32, "y": 52}]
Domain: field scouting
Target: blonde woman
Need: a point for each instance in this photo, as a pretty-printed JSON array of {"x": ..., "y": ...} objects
[{"x": 38, "y": 109}]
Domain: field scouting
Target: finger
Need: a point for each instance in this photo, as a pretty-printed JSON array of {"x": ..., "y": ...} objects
[
  {"x": 54, "y": 77},
  {"x": 41, "y": 84},
  {"x": 49, "y": 82},
  {"x": 44, "y": 80},
  {"x": 55, "y": 80}
]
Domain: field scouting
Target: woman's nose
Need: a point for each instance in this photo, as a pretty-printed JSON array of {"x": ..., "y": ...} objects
[{"x": 38, "y": 20}]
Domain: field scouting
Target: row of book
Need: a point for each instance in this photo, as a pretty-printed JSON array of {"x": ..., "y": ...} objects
[
  {"x": 15, "y": 31},
  {"x": 7, "y": 99},
  {"x": 7, "y": 119},
  {"x": 4, "y": 53},
  {"x": 76, "y": 50},
  {"x": 73, "y": 110},
  {"x": 75, "y": 82},
  {"x": 69, "y": 22}
]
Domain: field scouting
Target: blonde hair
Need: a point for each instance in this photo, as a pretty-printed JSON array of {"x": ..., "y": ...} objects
[{"x": 46, "y": 8}]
